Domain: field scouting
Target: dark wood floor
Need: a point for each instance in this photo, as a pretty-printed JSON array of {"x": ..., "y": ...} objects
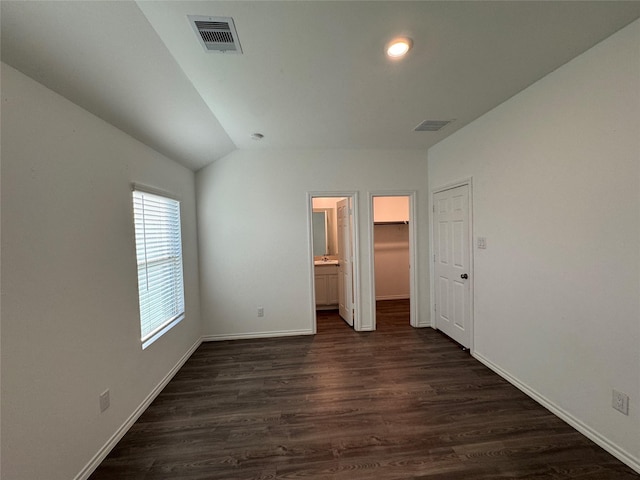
[{"x": 398, "y": 403}]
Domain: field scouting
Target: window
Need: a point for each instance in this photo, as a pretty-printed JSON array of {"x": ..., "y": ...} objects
[{"x": 159, "y": 255}]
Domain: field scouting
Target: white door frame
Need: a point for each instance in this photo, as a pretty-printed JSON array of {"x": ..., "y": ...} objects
[
  {"x": 413, "y": 304},
  {"x": 356, "y": 255},
  {"x": 466, "y": 181}
]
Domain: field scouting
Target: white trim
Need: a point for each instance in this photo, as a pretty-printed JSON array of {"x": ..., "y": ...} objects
[
  {"x": 246, "y": 336},
  {"x": 355, "y": 265},
  {"x": 465, "y": 181},
  {"x": 124, "y": 428},
  {"x": 310, "y": 256},
  {"x": 615, "y": 450}
]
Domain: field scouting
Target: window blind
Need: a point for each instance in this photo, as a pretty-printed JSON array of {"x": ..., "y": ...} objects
[{"x": 159, "y": 258}]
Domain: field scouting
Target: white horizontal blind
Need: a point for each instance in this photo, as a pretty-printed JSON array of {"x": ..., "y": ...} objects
[{"x": 159, "y": 255}]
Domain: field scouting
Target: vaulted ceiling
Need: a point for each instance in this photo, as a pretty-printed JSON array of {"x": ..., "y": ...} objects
[{"x": 312, "y": 74}]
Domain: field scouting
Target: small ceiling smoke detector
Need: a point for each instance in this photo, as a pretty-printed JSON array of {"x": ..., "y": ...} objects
[
  {"x": 398, "y": 47},
  {"x": 257, "y": 136},
  {"x": 432, "y": 125},
  {"x": 216, "y": 34}
]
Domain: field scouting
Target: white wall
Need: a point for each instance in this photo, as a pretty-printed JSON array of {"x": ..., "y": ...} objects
[
  {"x": 391, "y": 245},
  {"x": 390, "y": 209},
  {"x": 556, "y": 192},
  {"x": 70, "y": 322},
  {"x": 254, "y": 237}
]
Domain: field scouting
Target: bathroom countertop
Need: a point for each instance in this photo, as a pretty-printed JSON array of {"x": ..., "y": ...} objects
[{"x": 325, "y": 262}]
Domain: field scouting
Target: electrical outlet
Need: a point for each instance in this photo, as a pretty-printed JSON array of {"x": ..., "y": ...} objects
[
  {"x": 261, "y": 311},
  {"x": 105, "y": 401},
  {"x": 620, "y": 402}
]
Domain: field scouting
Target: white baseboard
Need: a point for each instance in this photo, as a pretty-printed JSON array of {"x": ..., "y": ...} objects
[
  {"x": 124, "y": 428},
  {"x": 587, "y": 431},
  {"x": 245, "y": 336},
  {"x": 326, "y": 307},
  {"x": 402, "y": 296}
]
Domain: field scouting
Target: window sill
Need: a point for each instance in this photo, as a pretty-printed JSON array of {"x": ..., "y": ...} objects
[{"x": 162, "y": 331}]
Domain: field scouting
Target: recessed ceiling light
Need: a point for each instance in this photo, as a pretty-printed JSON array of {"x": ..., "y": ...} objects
[
  {"x": 257, "y": 136},
  {"x": 398, "y": 47}
]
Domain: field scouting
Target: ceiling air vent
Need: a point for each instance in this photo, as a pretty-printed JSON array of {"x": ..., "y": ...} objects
[
  {"x": 216, "y": 34},
  {"x": 432, "y": 125}
]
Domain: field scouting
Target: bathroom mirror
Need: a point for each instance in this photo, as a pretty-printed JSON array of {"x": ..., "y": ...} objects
[
  {"x": 325, "y": 232},
  {"x": 319, "y": 223}
]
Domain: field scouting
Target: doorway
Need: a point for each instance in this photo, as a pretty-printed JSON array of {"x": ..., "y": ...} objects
[
  {"x": 333, "y": 240},
  {"x": 393, "y": 255}
]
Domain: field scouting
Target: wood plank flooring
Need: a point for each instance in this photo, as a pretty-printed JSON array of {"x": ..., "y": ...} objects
[{"x": 397, "y": 403}]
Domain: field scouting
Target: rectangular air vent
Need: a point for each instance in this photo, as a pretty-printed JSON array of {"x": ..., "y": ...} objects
[
  {"x": 216, "y": 34},
  {"x": 432, "y": 125}
]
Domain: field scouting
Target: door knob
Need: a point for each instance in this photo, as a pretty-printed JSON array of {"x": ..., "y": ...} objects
[{"x": 464, "y": 276}]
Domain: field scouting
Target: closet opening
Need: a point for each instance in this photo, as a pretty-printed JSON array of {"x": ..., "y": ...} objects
[{"x": 393, "y": 258}]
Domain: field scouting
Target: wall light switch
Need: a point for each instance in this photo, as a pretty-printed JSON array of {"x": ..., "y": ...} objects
[
  {"x": 482, "y": 242},
  {"x": 261, "y": 311}
]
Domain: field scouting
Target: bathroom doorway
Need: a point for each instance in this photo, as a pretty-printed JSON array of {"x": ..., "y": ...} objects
[
  {"x": 393, "y": 251},
  {"x": 333, "y": 254}
]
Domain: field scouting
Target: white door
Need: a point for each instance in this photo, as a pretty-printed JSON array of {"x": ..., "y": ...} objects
[
  {"x": 345, "y": 266},
  {"x": 452, "y": 260}
]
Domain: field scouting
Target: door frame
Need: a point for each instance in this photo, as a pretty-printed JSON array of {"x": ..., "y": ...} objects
[
  {"x": 353, "y": 195},
  {"x": 442, "y": 188},
  {"x": 413, "y": 242}
]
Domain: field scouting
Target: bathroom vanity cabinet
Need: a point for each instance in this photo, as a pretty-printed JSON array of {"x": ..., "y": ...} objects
[{"x": 326, "y": 286}]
